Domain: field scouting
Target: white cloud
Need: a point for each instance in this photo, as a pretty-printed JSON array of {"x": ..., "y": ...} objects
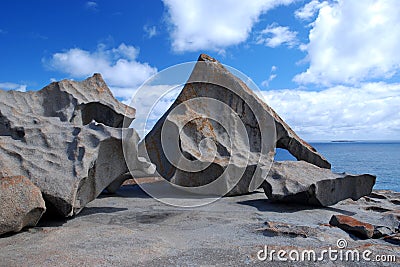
[
  {"x": 308, "y": 11},
  {"x": 353, "y": 41},
  {"x": 118, "y": 66},
  {"x": 92, "y": 5},
  {"x": 272, "y": 75},
  {"x": 214, "y": 25},
  {"x": 275, "y": 35},
  {"x": 150, "y": 106},
  {"x": 150, "y": 31},
  {"x": 369, "y": 111},
  {"x": 13, "y": 86}
]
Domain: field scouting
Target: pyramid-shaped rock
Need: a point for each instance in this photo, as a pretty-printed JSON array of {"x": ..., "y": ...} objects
[{"x": 200, "y": 139}]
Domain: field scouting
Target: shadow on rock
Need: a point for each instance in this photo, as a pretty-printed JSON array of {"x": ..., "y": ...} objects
[
  {"x": 272, "y": 206},
  {"x": 95, "y": 210},
  {"x": 51, "y": 219},
  {"x": 127, "y": 191}
]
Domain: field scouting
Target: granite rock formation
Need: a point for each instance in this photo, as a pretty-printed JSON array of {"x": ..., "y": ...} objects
[
  {"x": 131, "y": 229},
  {"x": 302, "y": 182},
  {"x": 349, "y": 224},
  {"x": 75, "y": 102},
  {"x": 191, "y": 149},
  {"x": 63, "y": 138},
  {"x": 21, "y": 204},
  {"x": 218, "y": 138}
]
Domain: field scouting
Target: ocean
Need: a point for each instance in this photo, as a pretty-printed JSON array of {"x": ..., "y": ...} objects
[{"x": 380, "y": 158}]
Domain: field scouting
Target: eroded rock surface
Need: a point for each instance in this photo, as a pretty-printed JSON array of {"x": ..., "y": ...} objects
[
  {"x": 191, "y": 149},
  {"x": 63, "y": 139},
  {"x": 354, "y": 226},
  {"x": 21, "y": 204},
  {"x": 284, "y": 229},
  {"x": 76, "y": 102},
  {"x": 133, "y": 229},
  {"x": 393, "y": 239},
  {"x": 70, "y": 164},
  {"x": 302, "y": 182}
]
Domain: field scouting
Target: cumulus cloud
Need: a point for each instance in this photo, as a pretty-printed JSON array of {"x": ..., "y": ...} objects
[
  {"x": 353, "y": 41},
  {"x": 308, "y": 11},
  {"x": 118, "y": 66},
  {"x": 369, "y": 111},
  {"x": 13, "y": 86},
  {"x": 214, "y": 25},
  {"x": 275, "y": 35}
]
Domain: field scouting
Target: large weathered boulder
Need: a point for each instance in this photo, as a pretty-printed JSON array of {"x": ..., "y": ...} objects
[
  {"x": 218, "y": 127},
  {"x": 53, "y": 137},
  {"x": 302, "y": 182},
  {"x": 70, "y": 164},
  {"x": 21, "y": 204},
  {"x": 76, "y": 102}
]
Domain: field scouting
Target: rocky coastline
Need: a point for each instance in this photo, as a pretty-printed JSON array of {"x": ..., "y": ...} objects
[{"x": 68, "y": 154}]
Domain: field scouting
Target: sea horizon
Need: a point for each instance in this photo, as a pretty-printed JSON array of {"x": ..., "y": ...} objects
[{"x": 376, "y": 157}]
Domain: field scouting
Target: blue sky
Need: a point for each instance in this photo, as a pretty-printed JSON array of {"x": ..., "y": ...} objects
[{"x": 330, "y": 68}]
